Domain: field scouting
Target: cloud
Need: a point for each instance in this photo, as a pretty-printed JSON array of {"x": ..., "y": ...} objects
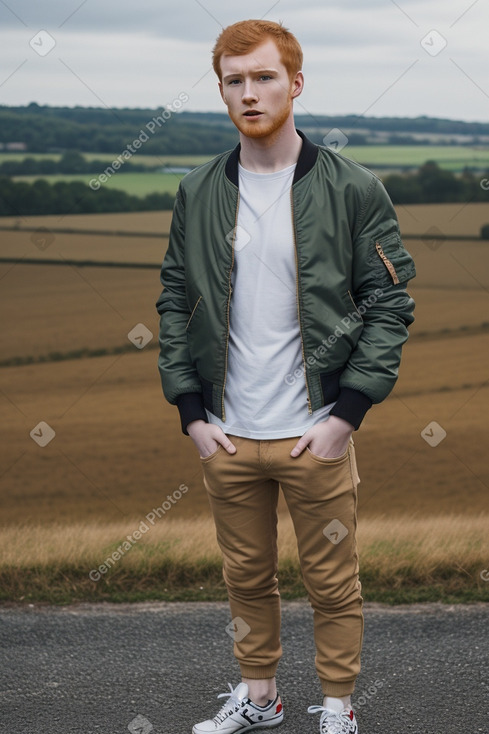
[
  {"x": 358, "y": 56},
  {"x": 190, "y": 19}
]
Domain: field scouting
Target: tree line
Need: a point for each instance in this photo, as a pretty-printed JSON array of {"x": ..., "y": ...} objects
[
  {"x": 428, "y": 185},
  {"x": 431, "y": 184},
  {"x": 56, "y": 129},
  {"x": 71, "y": 162},
  {"x": 21, "y": 199}
]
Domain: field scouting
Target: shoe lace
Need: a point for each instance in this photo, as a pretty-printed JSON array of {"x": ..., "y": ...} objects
[
  {"x": 331, "y": 722},
  {"x": 225, "y": 709}
]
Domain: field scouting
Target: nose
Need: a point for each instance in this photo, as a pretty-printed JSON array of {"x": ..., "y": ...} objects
[{"x": 249, "y": 94}]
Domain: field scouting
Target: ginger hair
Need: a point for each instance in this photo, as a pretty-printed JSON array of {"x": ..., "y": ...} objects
[{"x": 242, "y": 37}]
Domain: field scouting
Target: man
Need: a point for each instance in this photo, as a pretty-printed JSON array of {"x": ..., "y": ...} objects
[{"x": 283, "y": 315}]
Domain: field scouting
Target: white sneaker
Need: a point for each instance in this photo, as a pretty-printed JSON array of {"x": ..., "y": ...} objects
[
  {"x": 332, "y": 722},
  {"x": 239, "y": 714}
]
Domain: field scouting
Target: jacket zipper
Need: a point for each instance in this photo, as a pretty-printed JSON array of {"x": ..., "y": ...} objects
[
  {"x": 390, "y": 267},
  {"x": 230, "y": 289},
  {"x": 309, "y": 409}
]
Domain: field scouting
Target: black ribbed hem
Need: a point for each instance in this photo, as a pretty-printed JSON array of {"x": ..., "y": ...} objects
[
  {"x": 351, "y": 406},
  {"x": 191, "y": 408}
]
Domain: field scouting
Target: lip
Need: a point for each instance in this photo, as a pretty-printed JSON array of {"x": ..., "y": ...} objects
[{"x": 252, "y": 113}]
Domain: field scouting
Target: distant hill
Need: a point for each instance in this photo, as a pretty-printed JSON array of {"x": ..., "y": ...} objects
[{"x": 43, "y": 129}]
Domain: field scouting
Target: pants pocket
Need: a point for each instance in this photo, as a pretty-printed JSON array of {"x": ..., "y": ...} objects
[
  {"x": 205, "y": 459},
  {"x": 326, "y": 460}
]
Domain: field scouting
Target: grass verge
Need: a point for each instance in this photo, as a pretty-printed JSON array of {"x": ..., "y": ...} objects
[{"x": 405, "y": 559}]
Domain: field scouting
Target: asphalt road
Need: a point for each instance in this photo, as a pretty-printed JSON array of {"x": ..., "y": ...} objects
[{"x": 113, "y": 669}]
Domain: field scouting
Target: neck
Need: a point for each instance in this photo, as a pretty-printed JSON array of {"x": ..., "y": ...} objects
[{"x": 272, "y": 153}]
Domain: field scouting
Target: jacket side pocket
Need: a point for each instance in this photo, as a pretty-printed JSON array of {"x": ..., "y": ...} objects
[{"x": 193, "y": 312}]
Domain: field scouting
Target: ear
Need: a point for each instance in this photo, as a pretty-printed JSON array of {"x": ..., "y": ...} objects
[{"x": 297, "y": 85}]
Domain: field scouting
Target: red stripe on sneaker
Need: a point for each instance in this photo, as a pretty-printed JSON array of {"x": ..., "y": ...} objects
[
  {"x": 351, "y": 714},
  {"x": 279, "y": 708}
]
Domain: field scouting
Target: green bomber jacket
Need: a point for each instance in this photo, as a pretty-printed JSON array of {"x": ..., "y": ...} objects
[{"x": 352, "y": 270}]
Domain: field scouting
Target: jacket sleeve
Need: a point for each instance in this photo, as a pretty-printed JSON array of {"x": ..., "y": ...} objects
[
  {"x": 179, "y": 378},
  {"x": 381, "y": 269}
]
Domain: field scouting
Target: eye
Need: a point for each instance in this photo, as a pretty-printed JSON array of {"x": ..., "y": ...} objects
[
  {"x": 233, "y": 82},
  {"x": 265, "y": 76}
]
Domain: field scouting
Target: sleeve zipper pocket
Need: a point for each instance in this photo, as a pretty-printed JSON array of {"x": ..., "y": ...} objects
[{"x": 390, "y": 267}]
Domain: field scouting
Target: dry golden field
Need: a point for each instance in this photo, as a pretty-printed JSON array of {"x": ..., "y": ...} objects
[
  {"x": 402, "y": 559},
  {"x": 119, "y": 451}
]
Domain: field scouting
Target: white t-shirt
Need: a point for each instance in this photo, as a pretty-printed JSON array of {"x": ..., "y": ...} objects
[{"x": 264, "y": 337}]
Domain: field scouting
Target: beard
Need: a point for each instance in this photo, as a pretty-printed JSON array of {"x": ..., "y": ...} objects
[{"x": 265, "y": 126}]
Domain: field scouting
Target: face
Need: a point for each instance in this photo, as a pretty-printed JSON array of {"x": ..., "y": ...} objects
[{"x": 258, "y": 91}]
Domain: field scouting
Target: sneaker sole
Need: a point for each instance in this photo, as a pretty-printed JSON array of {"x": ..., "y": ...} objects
[{"x": 259, "y": 725}]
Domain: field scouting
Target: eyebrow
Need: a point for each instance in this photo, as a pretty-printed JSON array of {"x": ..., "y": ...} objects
[{"x": 253, "y": 71}]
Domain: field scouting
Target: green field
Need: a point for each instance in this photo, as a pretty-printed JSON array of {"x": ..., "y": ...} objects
[
  {"x": 146, "y": 160},
  {"x": 450, "y": 157},
  {"x": 139, "y": 184},
  {"x": 384, "y": 159}
]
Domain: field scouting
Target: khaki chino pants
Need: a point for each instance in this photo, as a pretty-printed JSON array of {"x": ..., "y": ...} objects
[{"x": 321, "y": 495}]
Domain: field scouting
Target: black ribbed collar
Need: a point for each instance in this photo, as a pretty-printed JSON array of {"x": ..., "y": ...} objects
[{"x": 306, "y": 160}]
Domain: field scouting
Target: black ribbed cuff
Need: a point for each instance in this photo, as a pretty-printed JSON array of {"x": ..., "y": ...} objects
[
  {"x": 351, "y": 406},
  {"x": 191, "y": 408}
]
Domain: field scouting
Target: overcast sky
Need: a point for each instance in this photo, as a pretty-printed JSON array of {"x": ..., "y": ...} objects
[{"x": 373, "y": 57}]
